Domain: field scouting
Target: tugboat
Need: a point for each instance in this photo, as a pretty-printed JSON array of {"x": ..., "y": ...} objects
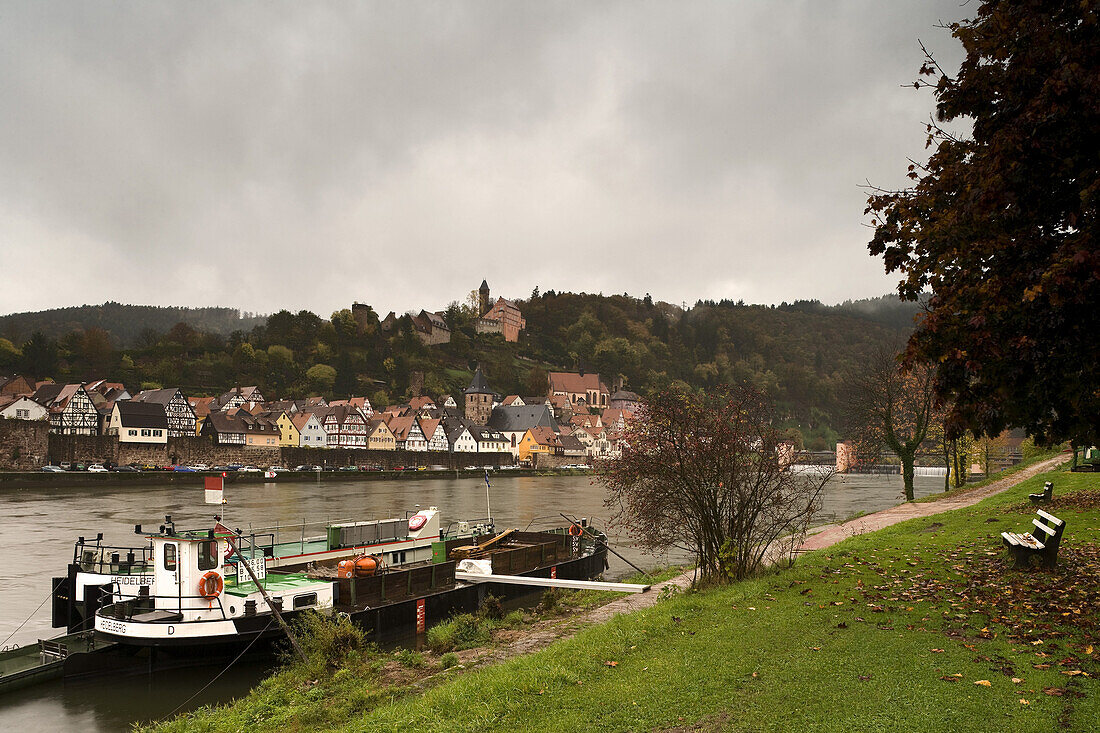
[{"x": 211, "y": 590}]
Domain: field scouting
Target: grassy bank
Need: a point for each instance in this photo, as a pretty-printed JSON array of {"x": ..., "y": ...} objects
[{"x": 921, "y": 625}]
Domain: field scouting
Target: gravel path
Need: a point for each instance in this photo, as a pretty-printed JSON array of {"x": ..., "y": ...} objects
[{"x": 834, "y": 533}]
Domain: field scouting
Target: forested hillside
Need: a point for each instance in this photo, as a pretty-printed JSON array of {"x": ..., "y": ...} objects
[
  {"x": 125, "y": 323},
  {"x": 800, "y": 352}
]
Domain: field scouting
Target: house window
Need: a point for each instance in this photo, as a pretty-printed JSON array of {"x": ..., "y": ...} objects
[
  {"x": 144, "y": 433},
  {"x": 156, "y": 433},
  {"x": 132, "y": 432}
]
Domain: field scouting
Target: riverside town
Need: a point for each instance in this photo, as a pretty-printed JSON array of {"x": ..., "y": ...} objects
[{"x": 782, "y": 412}]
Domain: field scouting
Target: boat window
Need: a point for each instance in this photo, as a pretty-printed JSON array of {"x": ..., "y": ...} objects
[
  {"x": 169, "y": 556},
  {"x": 208, "y": 555},
  {"x": 306, "y": 599}
]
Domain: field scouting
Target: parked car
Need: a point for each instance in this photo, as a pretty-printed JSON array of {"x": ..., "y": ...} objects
[
  {"x": 79, "y": 467},
  {"x": 303, "y": 467},
  {"x": 348, "y": 468},
  {"x": 277, "y": 469},
  {"x": 52, "y": 469},
  {"x": 248, "y": 469},
  {"x": 399, "y": 468},
  {"x": 65, "y": 465},
  {"x": 473, "y": 468},
  {"x": 223, "y": 469},
  {"x": 124, "y": 469},
  {"x": 97, "y": 468},
  {"x": 370, "y": 468},
  {"x": 183, "y": 469},
  {"x": 200, "y": 467},
  {"x": 149, "y": 467}
]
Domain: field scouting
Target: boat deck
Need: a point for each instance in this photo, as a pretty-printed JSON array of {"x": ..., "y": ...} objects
[{"x": 273, "y": 583}]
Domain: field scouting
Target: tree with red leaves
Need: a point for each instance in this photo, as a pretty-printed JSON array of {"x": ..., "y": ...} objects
[
  {"x": 709, "y": 473},
  {"x": 1001, "y": 223}
]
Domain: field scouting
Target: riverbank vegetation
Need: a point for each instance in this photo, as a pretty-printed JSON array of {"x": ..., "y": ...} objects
[{"x": 922, "y": 624}]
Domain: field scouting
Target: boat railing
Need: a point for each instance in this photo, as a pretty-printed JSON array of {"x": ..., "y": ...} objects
[
  {"x": 109, "y": 560},
  {"x": 146, "y": 609}
]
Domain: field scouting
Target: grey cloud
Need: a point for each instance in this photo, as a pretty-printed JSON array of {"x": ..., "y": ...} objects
[{"x": 683, "y": 149}]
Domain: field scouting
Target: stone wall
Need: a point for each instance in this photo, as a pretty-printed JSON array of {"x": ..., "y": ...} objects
[
  {"x": 24, "y": 444},
  {"x": 389, "y": 458},
  {"x": 83, "y": 448},
  {"x": 27, "y": 445}
]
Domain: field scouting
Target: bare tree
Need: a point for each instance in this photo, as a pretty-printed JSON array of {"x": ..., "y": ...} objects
[
  {"x": 892, "y": 408},
  {"x": 709, "y": 473}
]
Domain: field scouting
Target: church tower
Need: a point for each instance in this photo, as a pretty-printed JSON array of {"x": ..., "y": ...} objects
[{"x": 479, "y": 400}]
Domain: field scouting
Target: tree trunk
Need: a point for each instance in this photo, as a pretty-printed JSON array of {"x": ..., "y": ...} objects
[{"x": 907, "y": 473}]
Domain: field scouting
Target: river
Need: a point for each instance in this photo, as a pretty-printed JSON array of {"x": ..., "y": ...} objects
[{"x": 40, "y": 525}]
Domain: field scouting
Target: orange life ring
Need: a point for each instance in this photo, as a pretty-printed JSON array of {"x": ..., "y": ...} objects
[
  {"x": 211, "y": 585},
  {"x": 578, "y": 531}
]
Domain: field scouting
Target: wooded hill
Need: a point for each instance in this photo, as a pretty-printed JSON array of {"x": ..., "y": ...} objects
[
  {"x": 125, "y": 323},
  {"x": 801, "y": 353}
]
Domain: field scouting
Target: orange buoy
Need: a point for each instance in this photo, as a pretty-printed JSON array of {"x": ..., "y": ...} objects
[
  {"x": 211, "y": 585},
  {"x": 360, "y": 566},
  {"x": 575, "y": 530}
]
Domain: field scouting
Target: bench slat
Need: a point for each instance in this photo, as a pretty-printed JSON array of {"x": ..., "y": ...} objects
[
  {"x": 1042, "y": 527},
  {"x": 1050, "y": 518},
  {"x": 1023, "y": 540}
]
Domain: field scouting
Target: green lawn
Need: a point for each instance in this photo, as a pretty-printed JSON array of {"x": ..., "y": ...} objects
[{"x": 919, "y": 626}]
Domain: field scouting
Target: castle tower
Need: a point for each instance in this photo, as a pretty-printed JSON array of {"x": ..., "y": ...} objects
[
  {"x": 483, "y": 298},
  {"x": 479, "y": 400}
]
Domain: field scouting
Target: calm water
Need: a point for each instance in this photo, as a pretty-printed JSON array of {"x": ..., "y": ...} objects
[{"x": 38, "y": 528}]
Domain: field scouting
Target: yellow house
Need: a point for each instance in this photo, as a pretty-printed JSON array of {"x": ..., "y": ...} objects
[
  {"x": 288, "y": 433},
  {"x": 538, "y": 440},
  {"x": 380, "y": 437}
]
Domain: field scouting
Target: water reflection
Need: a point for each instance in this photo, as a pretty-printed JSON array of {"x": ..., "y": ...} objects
[{"x": 40, "y": 526}]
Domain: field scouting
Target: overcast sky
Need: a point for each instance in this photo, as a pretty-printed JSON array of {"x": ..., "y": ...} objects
[{"x": 307, "y": 154}]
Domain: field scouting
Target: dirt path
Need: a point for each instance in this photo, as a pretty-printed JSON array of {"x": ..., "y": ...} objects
[{"x": 834, "y": 533}]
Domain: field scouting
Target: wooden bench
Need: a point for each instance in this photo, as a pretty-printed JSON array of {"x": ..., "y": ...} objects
[
  {"x": 1046, "y": 496},
  {"x": 1043, "y": 544}
]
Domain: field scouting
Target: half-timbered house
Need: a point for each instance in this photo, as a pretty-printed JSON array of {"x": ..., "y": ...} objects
[
  {"x": 177, "y": 409},
  {"x": 434, "y": 434},
  {"x": 345, "y": 427},
  {"x": 71, "y": 411}
]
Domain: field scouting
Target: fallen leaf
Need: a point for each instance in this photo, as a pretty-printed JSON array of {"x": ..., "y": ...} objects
[
  {"x": 864, "y": 677},
  {"x": 1041, "y": 666},
  {"x": 1024, "y": 702},
  {"x": 1071, "y": 672},
  {"x": 984, "y": 683},
  {"x": 1016, "y": 680},
  {"x": 1054, "y": 691},
  {"x": 938, "y": 651},
  {"x": 1088, "y": 649},
  {"x": 949, "y": 678},
  {"x": 611, "y": 664}
]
